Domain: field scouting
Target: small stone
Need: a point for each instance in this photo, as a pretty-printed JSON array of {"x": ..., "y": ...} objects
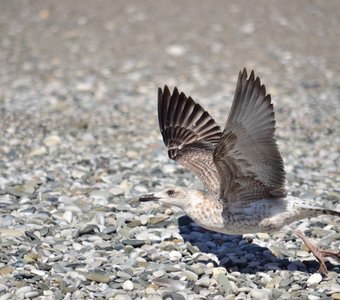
[
  {"x": 204, "y": 281},
  {"x": 175, "y": 255},
  {"x": 263, "y": 294},
  {"x": 314, "y": 279},
  {"x": 274, "y": 282},
  {"x": 190, "y": 276},
  {"x": 175, "y": 50},
  {"x": 158, "y": 273},
  {"x": 38, "y": 151},
  {"x": 117, "y": 191},
  {"x": 6, "y": 296},
  {"x": 68, "y": 216},
  {"x": 6, "y": 270},
  {"x": 302, "y": 253},
  {"x": 336, "y": 296},
  {"x": 98, "y": 276},
  {"x": 52, "y": 140},
  {"x": 263, "y": 236},
  {"x": 133, "y": 242},
  {"x": 21, "y": 292},
  {"x": 128, "y": 285},
  {"x": 122, "y": 274},
  {"x": 122, "y": 297},
  {"x": 172, "y": 296},
  {"x": 225, "y": 283},
  {"x": 313, "y": 297}
]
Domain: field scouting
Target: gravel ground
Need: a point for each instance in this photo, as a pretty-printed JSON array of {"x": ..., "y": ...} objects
[{"x": 80, "y": 142}]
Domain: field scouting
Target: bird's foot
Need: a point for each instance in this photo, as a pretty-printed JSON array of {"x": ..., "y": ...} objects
[{"x": 319, "y": 254}]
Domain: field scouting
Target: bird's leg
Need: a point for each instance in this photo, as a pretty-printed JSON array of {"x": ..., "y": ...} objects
[{"x": 318, "y": 253}]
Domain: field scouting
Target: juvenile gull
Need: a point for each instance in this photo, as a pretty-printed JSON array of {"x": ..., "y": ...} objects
[{"x": 241, "y": 166}]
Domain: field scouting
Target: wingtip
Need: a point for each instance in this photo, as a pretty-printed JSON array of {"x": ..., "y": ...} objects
[
  {"x": 175, "y": 91},
  {"x": 166, "y": 89},
  {"x": 244, "y": 73}
]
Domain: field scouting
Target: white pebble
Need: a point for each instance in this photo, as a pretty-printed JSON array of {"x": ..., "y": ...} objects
[
  {"x": 175, "y": 255},
  {"x": 158, "y": 273},
  {"x": 38, "y": 272},
  {"x": 175, "y": 50},
  {"x": 6, "y": 296},
  {"x": 128, "y": 285},
  {"x": 204, "y": 281},
  {"x": 143, "y": 219},
  {"x": 314, "y": 279},
  {"x": 20, "y": 293},
  {"x": 68, "y": 216},
  {"x": 263, "y": 294}
]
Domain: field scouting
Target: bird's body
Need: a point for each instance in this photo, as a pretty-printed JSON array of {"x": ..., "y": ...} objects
[
  {"x": 241, "y": 166},
  {"x": 265, "y": 215}
]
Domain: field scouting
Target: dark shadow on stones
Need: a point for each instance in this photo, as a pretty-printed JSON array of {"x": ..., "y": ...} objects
[{"x": 236, "y": 253}]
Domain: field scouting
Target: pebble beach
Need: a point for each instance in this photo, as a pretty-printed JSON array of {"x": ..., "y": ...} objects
[{"x": 80, "y": 143}]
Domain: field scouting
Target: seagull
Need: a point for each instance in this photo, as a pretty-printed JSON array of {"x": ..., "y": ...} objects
[{"x": 241, "y": 167}]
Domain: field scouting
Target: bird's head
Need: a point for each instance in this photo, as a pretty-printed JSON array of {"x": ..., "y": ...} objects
[{"x": 173, "y": 195}]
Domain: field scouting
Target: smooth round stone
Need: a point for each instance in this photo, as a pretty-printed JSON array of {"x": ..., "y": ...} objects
[
  {"x": 52, "y": 140},
  {"x": 313, "y": 297},
  {"x": 190, "y": 276},
  {"x": 204, "y": 281},
  {"x": 3, "y": 287},
  {"x": 122, "y": 274},
  {"x": 21, "y": 292},
  {"x": 336, "y": 296},
  {"x": 143, "y": 219},
  {"x": 133, "y": 242},
  {"x": 172, "y": 296},
  {"x": 7, "y": 296},
  {"x": 314, "y": 279},
  {"x": 175, "y": 255},
  {"x": 302, "y": 253},
  {"x": 158, "y": 273},
  {"x": 263, "y": 294},
  {"x": 98, "y": 276},
  {"x": 122, "y": 297},
  {"x": 68, "y": 216},
  {"x": 128, "y": 285}
]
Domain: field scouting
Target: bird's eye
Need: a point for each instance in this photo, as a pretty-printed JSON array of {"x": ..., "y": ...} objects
[{"x": 170, "y": 192}]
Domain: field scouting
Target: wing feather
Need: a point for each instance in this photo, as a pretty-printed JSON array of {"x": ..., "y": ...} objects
[
  {"x": 247, "y": 158},
  {"x": 190, "y": 134}
]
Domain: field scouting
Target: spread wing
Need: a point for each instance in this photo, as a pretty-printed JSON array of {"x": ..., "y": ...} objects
[
  {"x": 247, "y": 158},
  {"x": 190, "y": 134}
]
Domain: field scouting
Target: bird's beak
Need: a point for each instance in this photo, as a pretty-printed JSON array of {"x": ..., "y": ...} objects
[{"x": 150, "y": 197}]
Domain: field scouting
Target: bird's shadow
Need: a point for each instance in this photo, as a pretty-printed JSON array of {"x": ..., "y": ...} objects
[{"x": 236, "y": 253}]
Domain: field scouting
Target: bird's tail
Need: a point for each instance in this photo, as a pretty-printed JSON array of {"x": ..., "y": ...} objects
[{"x": 313, "y": 211}]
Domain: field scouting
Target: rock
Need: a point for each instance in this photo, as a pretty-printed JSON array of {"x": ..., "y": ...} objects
[
  {"x": 133, "y": 242},
  {"x": 204, "y": 281},
  {"x": 263, "y": 294},
  {"x": 336, "y": 296},
  {"x": 98, "y": 276},
  {"x": 159, "y": 273},
  {"x": 38, "y": 151},
  {"x": 128, "y": 285},
  {"x": 6, "y": 270},
  {"x": 172, "y": 296},
  {"x": 314, "y": 279},
  {"x": 22, "y": 291},
  {"x": 68, "y": 216},
  {"x": 190, "y": 276},
  {"x": 175, "y": 255},
  {"x": 52, "y": 140},
  {"x": 225, "y": 284},
  {"x": 175, "y": 50}
]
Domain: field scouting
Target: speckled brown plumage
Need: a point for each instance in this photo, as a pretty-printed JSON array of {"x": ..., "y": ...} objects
[{"x": 241, "y": 167}]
